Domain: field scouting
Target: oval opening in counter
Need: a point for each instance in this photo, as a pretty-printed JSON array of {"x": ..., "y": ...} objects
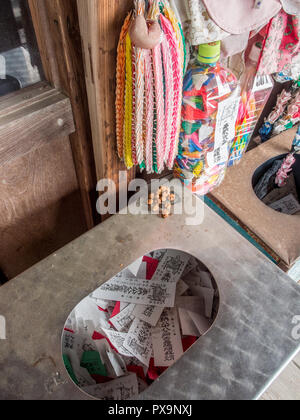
[{"x": 127, "y": 333}]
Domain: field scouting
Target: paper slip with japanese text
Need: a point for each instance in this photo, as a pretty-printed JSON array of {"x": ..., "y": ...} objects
[
  {"x": 188, "y": 326},
  {"x": 166, "y": 339},
  {"x": 123, "y": 388},
  {"x": 143, "y": 292},
  {"x": 148, "y": 313},
  {"x": 138, "y": 341},
  {"x": 158, "y": 255},
  {"x": 191, "y": 265},
  {"x": 117, "y": 340},
  {"x": 124, "y": 318},
  {"x": 226, "y": 119},
  {"x": 171, "y": 267},
  {"x": 287, "y": 205}
]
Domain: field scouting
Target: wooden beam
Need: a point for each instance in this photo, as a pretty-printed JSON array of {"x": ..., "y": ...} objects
[
  {"x": 100, "y": 25},
  {"x": 57, "y": 29},
  {"x": 31, "y": 118}
]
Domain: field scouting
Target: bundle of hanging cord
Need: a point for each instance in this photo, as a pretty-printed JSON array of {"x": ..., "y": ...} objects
[{"x": 150, "y": 65}]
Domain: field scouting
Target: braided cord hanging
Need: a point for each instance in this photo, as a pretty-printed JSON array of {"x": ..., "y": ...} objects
[
  {"x": 177, "y": 86},
  {"x": 139, "y": 92},
  {"x": 128, "y": 106},
  {"x": 159, "y": 95},
  {"x": 149, "y": 105},
  {"x": 120, "y": 89}
]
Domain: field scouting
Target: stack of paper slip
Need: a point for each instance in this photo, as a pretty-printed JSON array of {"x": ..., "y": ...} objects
[{"x": 126, "y": 333}]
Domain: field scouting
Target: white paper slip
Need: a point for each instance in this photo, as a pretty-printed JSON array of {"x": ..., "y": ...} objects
[
  {"x": 191, "y": 303},
  {"x": 218, "y": 156},
  {"x": 124, "y": 388},
  {"x": 199, "y": 278},
  {"x": 117, "y": 340},
  {"x": 117, "y": 363},
  {"x": 181, "y": 288},
  {"x": 142, "y": 271},
  {"x": 171, "y": 267},
  {"x": 207, "y": 295},
  {"x": 191, "y": 265},
  {"x": 148, "y": 313},
  {"x": 135, "y": 266},
  {"x": 188, "y": 326},
  {"x": 206, "y": 280},
  {"x": 226, "y": 119},
  {"x": 262, "y": 82},
  {"x": 158, "y": 255},
  {"x": 124, "y": 318},
  {"x": 287, "y": 205},
  {"x": 203, "y": 324},
  {"x": 143, "y": 292},
  {"x": 166, "y": 339},
  {"x": 138, "y": 341},
  {"x": 103, "y": 304},
  {"x": 103, "y": 348},
  {"x": 123, "y": 305}
]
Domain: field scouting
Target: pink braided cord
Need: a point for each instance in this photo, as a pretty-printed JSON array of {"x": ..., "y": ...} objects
[
  {"x": 149, "y": 99},
  {"x": 177, "y": 88},
  {"x": 139, "y": 92},
  {"x": 160, "y": 106},
  {"x": 169, "y": 95},
  {"x": 133, "y": 142}
]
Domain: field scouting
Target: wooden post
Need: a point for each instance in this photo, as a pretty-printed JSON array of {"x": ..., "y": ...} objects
[{"x": 100, "y": 25}]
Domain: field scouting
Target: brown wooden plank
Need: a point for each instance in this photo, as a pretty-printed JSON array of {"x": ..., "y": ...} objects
[
  {"x": 57, "y": 30},
  {"x": 24, "y": 128},
  {"x": 100, "y": 25},
  {"x": 39, "y": 192}
]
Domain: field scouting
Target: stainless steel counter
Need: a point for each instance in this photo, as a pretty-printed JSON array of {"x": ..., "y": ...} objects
[{"x": 249, "y": 345}]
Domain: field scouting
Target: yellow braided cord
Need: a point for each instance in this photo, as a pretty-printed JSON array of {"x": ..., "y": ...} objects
[
  {"x": 128, "y": 105},
  {"x": 120, "y": 89}
]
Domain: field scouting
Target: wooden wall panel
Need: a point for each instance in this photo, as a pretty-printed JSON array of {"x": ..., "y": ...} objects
[
  {"x": 100, "y": 25},
  {"x": 57, "y": 29},
  {"x": 40, "y": 206}
]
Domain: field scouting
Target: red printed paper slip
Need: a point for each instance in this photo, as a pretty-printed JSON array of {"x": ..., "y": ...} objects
[
  {"x": 151, "y": 266},
  {"x": 166, "y": 339}
]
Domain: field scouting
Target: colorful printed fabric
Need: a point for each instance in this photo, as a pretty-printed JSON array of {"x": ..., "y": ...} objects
[{"x": 281, "y": 44}]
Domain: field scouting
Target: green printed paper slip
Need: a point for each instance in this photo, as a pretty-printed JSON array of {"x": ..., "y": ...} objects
[{"x": 92, "y": 362}]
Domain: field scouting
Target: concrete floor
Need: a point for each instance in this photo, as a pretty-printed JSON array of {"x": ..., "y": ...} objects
[{"x": 287, "y": 385}]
